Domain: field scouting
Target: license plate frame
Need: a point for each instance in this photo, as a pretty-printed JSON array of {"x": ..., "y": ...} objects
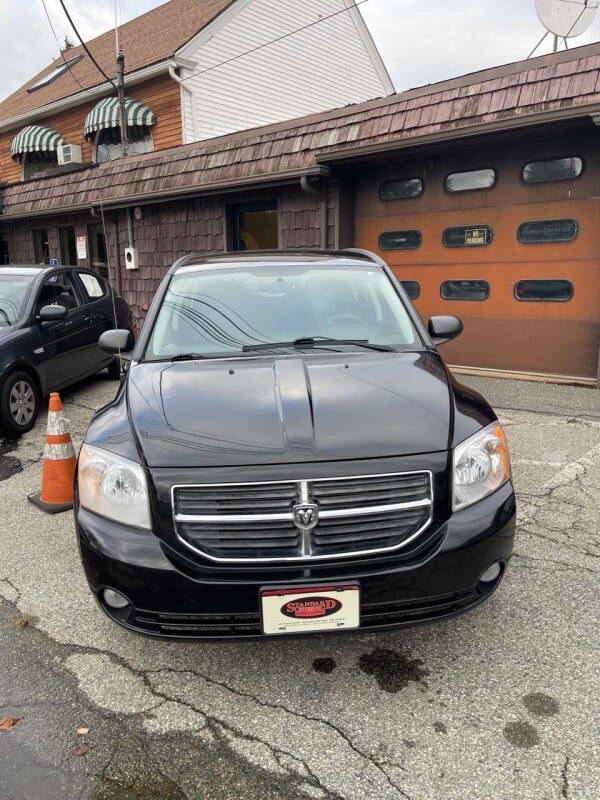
[{"x": 317, "y": 608}]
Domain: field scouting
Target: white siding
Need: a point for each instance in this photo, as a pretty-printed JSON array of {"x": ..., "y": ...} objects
[{"x": 326, "y": 66}]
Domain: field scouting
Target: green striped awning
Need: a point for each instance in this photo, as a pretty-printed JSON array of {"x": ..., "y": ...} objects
[
  {"x": 107, "y": 114},
  {"x": 35, "y": 139}
]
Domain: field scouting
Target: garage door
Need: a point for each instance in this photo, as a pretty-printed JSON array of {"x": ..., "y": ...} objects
[{"x": 504, "y": 235}]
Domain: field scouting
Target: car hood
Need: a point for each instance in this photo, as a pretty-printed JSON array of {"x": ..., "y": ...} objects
[{"x": 290, "y": 409}]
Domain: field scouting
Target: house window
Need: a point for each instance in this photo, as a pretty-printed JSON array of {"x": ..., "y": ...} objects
[
  {"x": 544, "y": 291},
  {"x": 554, "y": 169},
  {"x": 36, "y": 165},
  {"x": 41, "y": 254},
  {"x": 465, "y": 290},
  {"x": 3, "y": 251},
  {"x": 97, "y": 248},
  {"x": 468, "y": 236},
  {"x": 400, "y": 240},
  {"x": 108, "y": 142},
  {"x": 254, "y": 226},
  {"x": 412, "y": 289},
  {"x": 546, "y": 231},
  {"x": 469, "y": 181},
  {"x": 68, "y": 250},
  {"x": 400, "y": 190}
]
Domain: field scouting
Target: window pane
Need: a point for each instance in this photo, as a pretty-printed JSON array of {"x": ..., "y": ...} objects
[
  {"x": 58, "y": 290},
  {"x": 35, "y": 165},
  {"x": 92, "y": 285},
  {"x": 468, "y": 236},
  {"x": 412, "y": 289},
  {"x": 544, "y": 290},
  {"x": 548, "y": 230},
  {"x": 255, "y": 226},
  {"x": 555, "y": 169},
  {"x": 465, "y": 290},
  {"x": 68, "y": 251},
  {"x": 108, "y": 142},
  {"x": 97, "y": 248},
  {"x": 474, "y": 179},
  {"x": 400, "y": 190},
  {"x": 400, "y": 240},
  {"x": 41, "y": 254}
]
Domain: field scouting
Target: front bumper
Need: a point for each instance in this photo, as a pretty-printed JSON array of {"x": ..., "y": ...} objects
[{"x": 173, "y": 597}]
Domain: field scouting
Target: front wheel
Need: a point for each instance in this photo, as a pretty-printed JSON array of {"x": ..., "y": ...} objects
[{"x": 19, "y": 403}]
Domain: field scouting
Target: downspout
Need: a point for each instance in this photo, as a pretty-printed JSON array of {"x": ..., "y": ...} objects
[
  {"x": 192, "y": 97},
  {"x": 308, "y": 188}
]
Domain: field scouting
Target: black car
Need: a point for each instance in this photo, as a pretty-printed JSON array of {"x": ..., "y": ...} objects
[
  {"x": 289, "y": 454},
  {"x": 50, "y": 321}
]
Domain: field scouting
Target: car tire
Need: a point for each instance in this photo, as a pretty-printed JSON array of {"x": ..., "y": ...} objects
[
  {"x": 19, "y": 403},
  {"x": 114, "y": 369}
]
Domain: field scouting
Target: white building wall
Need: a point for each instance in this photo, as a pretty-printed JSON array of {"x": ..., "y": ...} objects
[{"x": 328, "y": 65}]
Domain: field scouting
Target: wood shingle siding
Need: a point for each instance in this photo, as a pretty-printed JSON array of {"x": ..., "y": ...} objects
[{"x": 512, "y": 94}]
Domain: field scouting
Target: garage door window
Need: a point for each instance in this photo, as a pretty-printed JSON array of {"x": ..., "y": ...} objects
[
  {"x": 412, "y": 289},
  {"x": 470, "y": 181},
  {"x": 465, "y": 290},
  {"x": 544, "y": 291},
  {"x": 468, "y": 236},
  {"x": 401, "y": 189},
  {"x": 547, "y": 231},
  {"x": 400, "y": 240},
  {"x": 555, "y": 169}
]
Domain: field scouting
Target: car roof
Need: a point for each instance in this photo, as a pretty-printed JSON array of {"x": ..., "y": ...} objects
[
  {"x": 23, "y": 269},
  {"x": 198, "y": 261}
]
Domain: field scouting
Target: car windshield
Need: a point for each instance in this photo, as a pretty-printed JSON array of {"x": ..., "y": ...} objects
[
  {"x": 13, "y": 291},
  {"x": 216, "y": 312}
]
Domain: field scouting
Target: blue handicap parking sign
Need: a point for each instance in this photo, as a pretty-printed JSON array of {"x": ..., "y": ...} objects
[{"x": 54, "y": 262}]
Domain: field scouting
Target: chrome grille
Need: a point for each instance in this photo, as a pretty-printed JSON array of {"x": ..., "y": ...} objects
[{"x": 257, "y": 521}]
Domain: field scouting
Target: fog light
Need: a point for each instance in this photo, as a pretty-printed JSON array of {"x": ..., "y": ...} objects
[
  {"x": 491, "y": 573},
  {"x": 114, "y": 599}
]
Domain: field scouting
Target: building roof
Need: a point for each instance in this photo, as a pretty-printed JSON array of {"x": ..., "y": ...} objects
[
  {"x": 148, "y": 39},
  {"x": 564, "y": 85}
]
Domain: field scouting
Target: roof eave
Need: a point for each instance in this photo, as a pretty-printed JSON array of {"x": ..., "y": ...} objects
[
  {"x": 456, "y": 132},
  {"x": 145, "y": 198},
  {"x": 131, "y": 79}
]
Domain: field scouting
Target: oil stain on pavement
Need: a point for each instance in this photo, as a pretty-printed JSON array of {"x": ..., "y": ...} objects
[
  {"x": 541, "y": 705},
  {"x": 324, "y": 665},
  {"x": 392, "y": 670},
  {"x": 9, "y": 465},
  {"x": 521, "y": 734}
]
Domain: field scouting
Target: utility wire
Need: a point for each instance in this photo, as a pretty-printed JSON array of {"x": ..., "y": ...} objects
[
  {"x": 85, "y": 47},
  {"x": 272, "y": 41},
  {"x": 60, "y": 48}
]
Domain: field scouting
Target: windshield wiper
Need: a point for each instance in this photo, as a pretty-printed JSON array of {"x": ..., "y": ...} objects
[{"x": 316, "y": 341}]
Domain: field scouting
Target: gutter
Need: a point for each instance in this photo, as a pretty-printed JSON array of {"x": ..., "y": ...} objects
[
  {"x": 95, "y": 92},
  {"x": 147, "y": 198}
]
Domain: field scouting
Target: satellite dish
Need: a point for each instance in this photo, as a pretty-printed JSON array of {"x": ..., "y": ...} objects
[{"x": 566, "y": 18}]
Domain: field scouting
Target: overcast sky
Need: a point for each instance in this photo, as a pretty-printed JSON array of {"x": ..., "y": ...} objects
[{"x": 421, "y": 41}]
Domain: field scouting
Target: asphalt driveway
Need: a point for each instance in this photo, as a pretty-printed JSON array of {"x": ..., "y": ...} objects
[{"x": 501, "y": 703}]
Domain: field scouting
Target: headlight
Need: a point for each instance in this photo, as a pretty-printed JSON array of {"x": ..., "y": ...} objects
[
  {"x": 481, "y": 465},
  {"x": 113, "y": 487}
]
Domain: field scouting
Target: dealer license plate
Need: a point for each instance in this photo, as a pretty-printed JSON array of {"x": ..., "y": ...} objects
[{"x": 311, "y": 609}]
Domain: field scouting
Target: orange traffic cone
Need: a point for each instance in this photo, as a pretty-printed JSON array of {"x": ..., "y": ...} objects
[{"x": 59, "y": 463}]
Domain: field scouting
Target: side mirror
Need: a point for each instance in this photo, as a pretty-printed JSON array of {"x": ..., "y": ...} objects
[
  {"x": 52, "y": 313},
  {"x": 115, "y": 342},
  {"x": 442, "y": 329}
]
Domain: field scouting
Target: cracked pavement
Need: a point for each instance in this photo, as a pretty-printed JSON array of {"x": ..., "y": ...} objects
[{"x": 499, "y": 703}]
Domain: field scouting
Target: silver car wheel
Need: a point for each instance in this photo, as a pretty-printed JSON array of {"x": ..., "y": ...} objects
[{"x": 21, "y": 402}]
